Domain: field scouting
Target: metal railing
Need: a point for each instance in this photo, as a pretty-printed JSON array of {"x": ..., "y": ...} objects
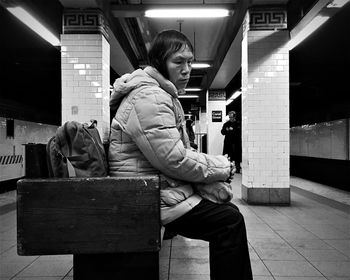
[{"x": 201, "y": 142}]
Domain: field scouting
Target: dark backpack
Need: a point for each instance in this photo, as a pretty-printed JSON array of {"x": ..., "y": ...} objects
[{"x": 76, "y": 151}]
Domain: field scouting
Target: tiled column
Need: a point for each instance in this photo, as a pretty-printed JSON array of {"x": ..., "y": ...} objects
[
  {"x": 265, "y": 107},
  {"x": 85, "y": 62}
]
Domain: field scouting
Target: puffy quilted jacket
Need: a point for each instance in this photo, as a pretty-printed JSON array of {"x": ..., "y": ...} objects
[{"x": 148, "y": 137}]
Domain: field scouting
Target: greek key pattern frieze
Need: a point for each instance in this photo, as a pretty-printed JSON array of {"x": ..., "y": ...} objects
[
  {"x": 265, "y": 19},
  {"x": 87, "y": 21},
  {"x": 81, "y": 20}
]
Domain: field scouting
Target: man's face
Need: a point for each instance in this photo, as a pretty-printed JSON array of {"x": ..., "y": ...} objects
[
  {"x": 179, "y": 67},
  {"x": 232, "y": 117}
]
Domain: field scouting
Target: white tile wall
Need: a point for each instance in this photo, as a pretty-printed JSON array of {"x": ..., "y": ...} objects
[
  {"x": 25, "y": 132},
  {"x": 85, "y": 60},
  {"x": 265, "y": 109}
]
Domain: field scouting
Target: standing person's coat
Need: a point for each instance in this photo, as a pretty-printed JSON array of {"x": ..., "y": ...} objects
[
  {"x": 148, "y": 137},
  {"x": 232, "y": 132}
]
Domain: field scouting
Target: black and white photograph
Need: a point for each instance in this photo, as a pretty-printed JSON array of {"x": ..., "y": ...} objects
[{"x": 174, "y": 139}]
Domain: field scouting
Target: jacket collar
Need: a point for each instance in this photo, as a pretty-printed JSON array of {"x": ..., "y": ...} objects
[{"x": 163, "y": 83}]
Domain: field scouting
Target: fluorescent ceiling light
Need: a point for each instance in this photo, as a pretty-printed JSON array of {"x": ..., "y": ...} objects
[
  {"x": 34, "y": 24},
  {"x": 314, "y": 24},
  {"x": 189, "y": 96},
  {"x": 233, "y": 96},
  {"x": 200, "y": 65},
  {"x": 337, "y": 3},
  {"x": 187, "y": 13},
  {"x": 193, "y": 89}
]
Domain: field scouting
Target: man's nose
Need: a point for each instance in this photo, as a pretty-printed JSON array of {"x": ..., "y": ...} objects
[{"x": 186, "y": 69}]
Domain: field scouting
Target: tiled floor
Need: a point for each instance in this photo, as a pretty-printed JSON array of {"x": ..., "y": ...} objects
[{"x": 309, "y": 240}]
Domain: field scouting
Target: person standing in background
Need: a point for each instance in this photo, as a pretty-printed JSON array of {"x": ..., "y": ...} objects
[{"x": 232, "y": 142}]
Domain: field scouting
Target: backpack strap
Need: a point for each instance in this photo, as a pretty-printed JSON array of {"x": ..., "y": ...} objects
[
  {"x": 84, "y": 157},
  {"x": 49, "y": 146},
  {"x": 70, "y": 167},
  {"x": 71, "y": 170}
]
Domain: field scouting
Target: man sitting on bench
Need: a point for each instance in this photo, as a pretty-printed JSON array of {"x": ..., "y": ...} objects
[{"x": 148, "y": 137}]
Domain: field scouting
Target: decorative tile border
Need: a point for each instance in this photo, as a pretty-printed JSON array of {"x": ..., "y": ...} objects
[
  {"x": 89, "y": 21},
  {"x": 267, "y": 18}
]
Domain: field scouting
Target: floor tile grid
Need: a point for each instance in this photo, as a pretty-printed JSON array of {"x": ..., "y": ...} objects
[
  {"x": 189, "y": 259},
  {"x": 258, "y": 260},
  {"x": 165, "y": 259},
  {"x": 16, "y": 267},
  {"x": 272, "y": 220},
  {"x": 257, "y": 209},
  {"x": 254, "y": 253}
]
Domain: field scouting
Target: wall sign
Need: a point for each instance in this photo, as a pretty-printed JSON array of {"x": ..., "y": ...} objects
[
  {"x": 217, "y": 95},
  {"x": 216, "y": 116}
]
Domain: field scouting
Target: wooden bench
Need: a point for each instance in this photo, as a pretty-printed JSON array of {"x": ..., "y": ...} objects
[{"x": 110, "y": 225}]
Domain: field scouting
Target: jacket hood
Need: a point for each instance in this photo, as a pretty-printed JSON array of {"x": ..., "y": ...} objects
[{"x": 147, "y": 77}]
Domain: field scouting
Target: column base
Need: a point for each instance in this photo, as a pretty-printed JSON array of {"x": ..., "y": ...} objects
[{"x": 266, "y": 196}]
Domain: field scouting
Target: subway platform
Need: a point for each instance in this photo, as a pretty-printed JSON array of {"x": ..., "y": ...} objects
[{"x": 308, "y": 240}]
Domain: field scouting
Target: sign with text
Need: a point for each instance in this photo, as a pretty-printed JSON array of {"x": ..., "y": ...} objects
[
  {"x": 216, "y": 116},
  {"x": 217, "y": 95}
]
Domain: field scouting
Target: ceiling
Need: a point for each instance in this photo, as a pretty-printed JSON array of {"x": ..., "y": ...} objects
[
  {"x": 217, "y": 40},
  {"x": 212, "y": 38},
  {"x": 27, "y": 61}
]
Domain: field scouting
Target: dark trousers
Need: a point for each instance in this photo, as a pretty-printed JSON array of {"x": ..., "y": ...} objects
[
  {"x": 234, "y": 152},
  {"x": 223, "y": 226}
]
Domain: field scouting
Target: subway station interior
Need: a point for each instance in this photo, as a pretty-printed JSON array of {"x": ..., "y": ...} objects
[{"x": 281, "y": 65}]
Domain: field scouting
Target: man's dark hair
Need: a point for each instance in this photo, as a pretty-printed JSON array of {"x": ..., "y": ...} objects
[{"x": 165, "y": 44}]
